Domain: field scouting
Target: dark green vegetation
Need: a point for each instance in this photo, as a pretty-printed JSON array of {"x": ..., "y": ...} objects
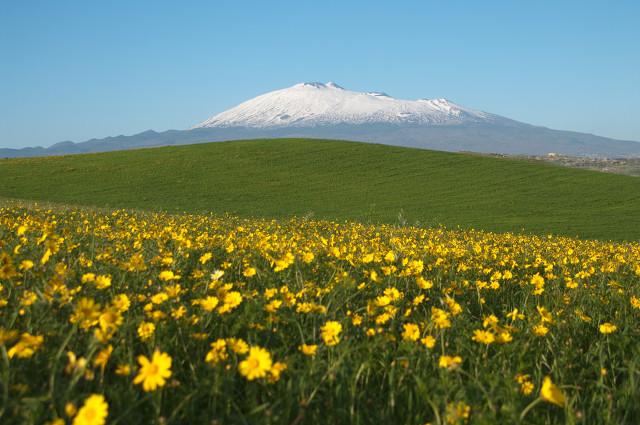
[{"x": 339, "y": 180}]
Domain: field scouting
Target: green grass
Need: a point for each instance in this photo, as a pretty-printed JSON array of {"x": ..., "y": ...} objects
[{"x": 338, "y": 180}]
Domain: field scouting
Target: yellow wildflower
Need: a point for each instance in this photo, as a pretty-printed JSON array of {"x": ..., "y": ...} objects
[
  {"x": 608, "y": 328},
  {"x": 256, "y": 365},
  {"x": 331, "y": 332},
  {"x": 551, "y": 393},
  {"x": 153, "y": 373},
  {"x": 94, "y": 411},
  {"x": 308, "y": 350}
]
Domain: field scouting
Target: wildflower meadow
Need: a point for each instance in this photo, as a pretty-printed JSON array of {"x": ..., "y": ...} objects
[{"x": 125, "y": 317}]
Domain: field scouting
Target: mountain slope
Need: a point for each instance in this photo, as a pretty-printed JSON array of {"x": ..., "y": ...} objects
[{"x": 339, "y": 180}]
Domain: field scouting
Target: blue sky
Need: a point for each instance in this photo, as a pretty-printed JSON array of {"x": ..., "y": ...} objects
[{"x": 74, "y": 70}]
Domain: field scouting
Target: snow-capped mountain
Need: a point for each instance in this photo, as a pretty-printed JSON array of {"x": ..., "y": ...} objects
[
  {"x": 318, "y": 104},
  {"x": 327, "y": 111}
]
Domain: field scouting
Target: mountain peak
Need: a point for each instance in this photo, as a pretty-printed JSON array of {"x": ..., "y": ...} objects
[
  {"x": 317, "y": 85},
  {"x": 322, "y": 104},
  {"x": 334, "y": 85}
]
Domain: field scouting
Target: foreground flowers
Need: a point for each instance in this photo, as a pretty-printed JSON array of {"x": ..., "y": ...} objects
[
  {"x": 93, "y": 412},
  {"x": 246, "y": 319},
  {"x": 331, "y": 332},
  {"x": 153, "y": 373},
  {"x": 608, "y": 328},
  {"x": 26, "y": 346},
  {"x": 551, "y": 393},
  {"x": 256, "y": 365}
]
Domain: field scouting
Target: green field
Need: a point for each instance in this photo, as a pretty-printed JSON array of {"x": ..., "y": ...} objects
[{"x": 338, "y": 180}]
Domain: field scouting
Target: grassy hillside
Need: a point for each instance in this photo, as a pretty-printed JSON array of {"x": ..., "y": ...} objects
[{"x": 339, "y": 180}]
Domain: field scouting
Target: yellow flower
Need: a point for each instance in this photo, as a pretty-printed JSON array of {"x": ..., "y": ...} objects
[
  {"x": 237, "y": 345},
  {"x": 390, "y": 257},
  {"x": 26, "y": 346},
  {"x": 540, "y": 330},
  {"x": 308, "y": 350},
  {"x": 449, "y": 362},
  {"x": 428, "y": 341},
  {"x": 545, "y": 315},
  {"x": 75, "y": 364},
  {"x": 102, "y": 358},
  {"x": 103, "y": 281},
  {"x": 490, "y": 321},
  {"x": 204, "y": 258},
  {"x": 123, "y": 370},
  {"x": 153, "y": 373},
  {"x": 136, "y": 263},
  {"x": 275, "y": 371},
  {"x": 209, "y": 303},
  {"x": 159, "y": 298},
  {"x": 538, "y": 282},
  {"x": 70, "y": 410},
  {"x": 331, "y": 332},
  {"x": 515, "y": 314},
  {"x": 284, "y": 262},
  {"x": 423, "y": 283},
  {"x": 88, "y": 277},
  {"x": 440, "y": 318},
  {"x": 551, "y": 393},
  {"x": 454, "y": 307},
  {"x": 7, "y": 335},
  {"x": 249, "y": 271},
  {"x": 45, "y": 257},
  {"x": 167, "y": 275},
  {"x": 218, "y": 352},
  {"x": 483, "y": 337},
  {"x": 94, "y": 411},
  {"x": 526, "y": 386},
  {"x": 608, "y": 328},
  {"x": 110, "y": 320},
  {"x": 383, "y": 301},
  {"x": 121, "y": 303},
  {"x": 504, "y": 337},
  {"x": 26, "y": 265},
  {"x": 393, "y": 293},
  {"x": 411, "y": 332},
  {"x": 256, "y": 365},
  {"x": 383, "y": 318},
  {"x": 146, "y": 330},
  {"x": 179, "y": 312},
  {"x": 457, "y": 413},
  {"x": 86, "y": 314},
  {"x": 28, "y": 298},
  {"x": 230, "y": 301},
  {"x": 217, "y": 275}
]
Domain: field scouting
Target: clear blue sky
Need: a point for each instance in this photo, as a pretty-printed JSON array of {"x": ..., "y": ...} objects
[{"x": 73, "y": 70}]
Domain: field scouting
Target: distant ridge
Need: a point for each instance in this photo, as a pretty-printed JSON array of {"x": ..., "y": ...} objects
[
  {"x": 366, "y": 182},
  {"x": 328, "y": 111}
]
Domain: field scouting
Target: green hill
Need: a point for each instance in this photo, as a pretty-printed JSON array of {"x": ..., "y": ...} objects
[{"x": 338, "y": 180}]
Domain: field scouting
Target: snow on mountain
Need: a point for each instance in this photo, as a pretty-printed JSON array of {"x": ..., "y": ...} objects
[{"x": 318, "y": 104}]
